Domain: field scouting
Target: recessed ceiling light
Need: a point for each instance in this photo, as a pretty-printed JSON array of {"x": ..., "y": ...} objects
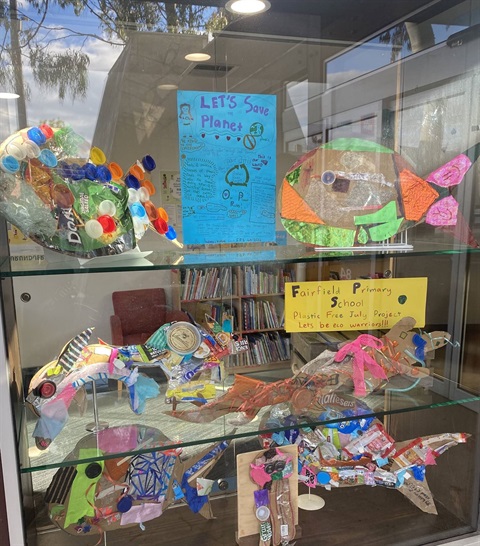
[
  {"x": 197, "y": 57},
  {"x": 4, "y": 95},
  {"x": 247, "y": 7},
  {"x": 167, "y": 86}
]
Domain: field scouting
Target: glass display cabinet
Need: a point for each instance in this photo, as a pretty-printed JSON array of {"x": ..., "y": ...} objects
[{"x": 405, "y": 79}]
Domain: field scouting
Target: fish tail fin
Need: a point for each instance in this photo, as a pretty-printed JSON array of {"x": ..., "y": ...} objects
[
  {"x": 462, "y": 232},
  {"x": 444, "y": 179},
  {"x": 473, "y": 153},
  {"x": 420, "y": 495}
]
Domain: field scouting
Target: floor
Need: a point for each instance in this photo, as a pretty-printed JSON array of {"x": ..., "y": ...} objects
[{"x": 470, "y": 541}]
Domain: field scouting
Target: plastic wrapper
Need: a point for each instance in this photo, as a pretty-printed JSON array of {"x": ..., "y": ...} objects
[
  {"x": 375, "y": 442},
  {"x": 424, "y": 451},
  {"x": 384, "y": 478}
]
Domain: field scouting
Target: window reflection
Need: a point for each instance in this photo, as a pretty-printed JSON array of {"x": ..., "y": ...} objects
[{"x": 398, "y": 42}]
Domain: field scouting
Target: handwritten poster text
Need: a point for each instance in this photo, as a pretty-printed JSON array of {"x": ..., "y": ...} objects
[{"x": 227, "y": 166}]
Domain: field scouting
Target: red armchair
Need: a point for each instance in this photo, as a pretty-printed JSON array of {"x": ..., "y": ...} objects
[{"x": 138, "y": 313}]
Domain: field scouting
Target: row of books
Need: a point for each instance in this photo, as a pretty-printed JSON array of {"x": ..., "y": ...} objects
[
  {"x": 211, "y": 282},
  {"x": 258, "y": 279},
  {"x": 263, "y": 349},
  {"x": 259, "y": 315},
  {"x": 223, "y": 313}
]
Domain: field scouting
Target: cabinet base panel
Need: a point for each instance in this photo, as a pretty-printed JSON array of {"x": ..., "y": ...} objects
[
  {"x": 358, "y": 515},
  {"x": 252, "y": 540}
]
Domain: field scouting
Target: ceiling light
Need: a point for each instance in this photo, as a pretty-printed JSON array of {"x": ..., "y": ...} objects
[
  {"x": 247, "y": 7},
  {"x": 167, "y": 86},
  {"x": 4, "y": 95},
  {"x": 197, "y": 57}
]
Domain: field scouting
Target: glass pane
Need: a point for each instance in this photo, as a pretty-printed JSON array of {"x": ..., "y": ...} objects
[
  {"x": 469, "y": 376},
  {"x": 405, "y": 79}
]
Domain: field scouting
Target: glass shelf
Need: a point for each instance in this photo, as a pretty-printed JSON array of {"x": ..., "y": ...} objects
[
  {"x": 192, "y": 436},
  {"x": 219, "y": 255}
]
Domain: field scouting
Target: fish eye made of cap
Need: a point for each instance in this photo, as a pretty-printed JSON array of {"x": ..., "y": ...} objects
[
  {"x": 276, "y": 466},
  {"x": 328, "y": 178}
]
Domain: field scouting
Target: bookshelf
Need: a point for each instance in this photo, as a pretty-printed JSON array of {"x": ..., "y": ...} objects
[{"x": 252, "y": 299}]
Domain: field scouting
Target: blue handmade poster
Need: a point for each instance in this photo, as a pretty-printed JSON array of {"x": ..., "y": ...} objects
[{"x": 227, "y": 147}]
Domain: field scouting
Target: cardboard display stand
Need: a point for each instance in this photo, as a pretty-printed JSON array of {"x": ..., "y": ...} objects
[{"x": 248, "y": 525}]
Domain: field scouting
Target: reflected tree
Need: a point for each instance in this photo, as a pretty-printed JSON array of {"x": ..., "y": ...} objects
[
  {"x": 408, "y": 38},
  {"x": 28, "y": 38},
  {"x": 399, "y": 39}
]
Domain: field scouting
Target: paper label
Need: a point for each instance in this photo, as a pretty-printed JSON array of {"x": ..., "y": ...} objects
[{"x": 361, "y": 304}]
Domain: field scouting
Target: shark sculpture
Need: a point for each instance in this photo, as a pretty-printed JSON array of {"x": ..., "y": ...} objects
[
  {"x": 362, "y": 366},
  {"x": 189, "y": 356}
]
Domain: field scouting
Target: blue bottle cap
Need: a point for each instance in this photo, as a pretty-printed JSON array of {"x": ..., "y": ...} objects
[
  {"x": 323, "y": 477},
  {"x": 36, "y": 135},
  {"x": 77, "y": 172},
  {"x": 137, "y": 209},
  {"x": 132, "y": 182},
  {"x": 171, "y": 233},
  {"x": 103, "y": 174},
  {"x": 149, "y": 163},
  {"x": 124, "y": 504},
  {"x": 10, "y": 164},
  {"x": 90, "y": 171},
  {"x": 48, "y": 158}
]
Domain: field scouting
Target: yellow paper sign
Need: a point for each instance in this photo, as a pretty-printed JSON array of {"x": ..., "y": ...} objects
[{"x": 362, "y": 304}]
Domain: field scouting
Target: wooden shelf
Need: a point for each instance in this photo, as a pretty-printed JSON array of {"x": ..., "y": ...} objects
[
  {"x": 203, "y": 300},
  {"x": 272, "y": 366},
  {"x": 262, "y": 330},
  {"x": 272, "y": 294}
]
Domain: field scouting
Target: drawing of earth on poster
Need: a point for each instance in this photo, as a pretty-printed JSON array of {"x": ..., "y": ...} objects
[{"x": 227, "y": 145}]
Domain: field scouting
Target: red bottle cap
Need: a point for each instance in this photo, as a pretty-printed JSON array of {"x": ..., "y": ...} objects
[
  {"x": 46, "y": 130},
  {"x": 107, "y": 223},
  {"x": 160, "y": 225}
]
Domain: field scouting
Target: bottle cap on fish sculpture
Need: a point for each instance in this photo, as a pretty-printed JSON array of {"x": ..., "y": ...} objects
[
  {"x": 46, "y": 130},
  {"x": 115, "y": 170},
  {"x": 9, "y": 164},
  {"x": 124, "y": 504},
  {"x": 103, "y": 174},
  {"x": 149, "y": 163},
  {"x": 48, "y": 158},
  {"x": 107, "y": 207},
  {"x": 97, "y": 156},
  {"x": 93, "y": 470},
  {"x": 132, "y": 182},
  {"x": 107, "y": 223},
  {"x": 36, "y": 135}
]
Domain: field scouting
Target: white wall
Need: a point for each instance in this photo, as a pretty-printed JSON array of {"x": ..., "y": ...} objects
[{"x": 61, "y": 306}]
